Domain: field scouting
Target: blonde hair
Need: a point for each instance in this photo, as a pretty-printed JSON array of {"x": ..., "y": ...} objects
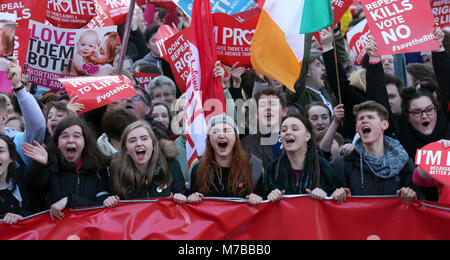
[
  {"x": 128, "y": 181},
  {"x": 358, "y": 79}
]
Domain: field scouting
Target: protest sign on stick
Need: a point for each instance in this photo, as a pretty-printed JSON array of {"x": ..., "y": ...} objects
[
  {"x": 95, "y": 92},
  {"x": 401, "y": 26},
  {"x": 58, "y": 53}
]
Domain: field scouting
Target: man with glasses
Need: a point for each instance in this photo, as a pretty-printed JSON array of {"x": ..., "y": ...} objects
[
  {"x": 139, "y": 105},
  {"x": 379, "y": 165}
]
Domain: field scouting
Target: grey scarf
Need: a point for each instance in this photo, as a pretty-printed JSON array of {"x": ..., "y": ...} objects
[{"x": 390, "y": 165}]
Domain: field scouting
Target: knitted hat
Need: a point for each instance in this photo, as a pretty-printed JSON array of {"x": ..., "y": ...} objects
[{"x": 223, "y": 118}]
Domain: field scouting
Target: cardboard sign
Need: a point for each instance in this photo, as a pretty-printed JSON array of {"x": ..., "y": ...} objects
[
  {"x": 95, "y": 92},
  {"x": 24, "y": 10},
  {"x": 435, "y": 160},
  {"x": 234, "y": 39},
  {"x": 58, "y": 53},
  {"x": 441, "y": 12},
  {"x": 73, "y": 14},
  {"x": 219, "y": 6},
  {"x": 144, "y": 79},
  {"x": 339, "y": 9},
  {"x": 178, "y": 54},
  {"x": 357, "y": 38},
  {"x": 401, "y": 26}
]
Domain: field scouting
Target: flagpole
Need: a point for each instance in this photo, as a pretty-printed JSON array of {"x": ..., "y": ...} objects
[
  {"x": 126, "y": 36},
  {"x": 337, "y": 69}
]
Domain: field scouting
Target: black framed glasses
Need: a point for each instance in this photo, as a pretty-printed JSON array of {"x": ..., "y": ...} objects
[{"x": 417, "y": 113}]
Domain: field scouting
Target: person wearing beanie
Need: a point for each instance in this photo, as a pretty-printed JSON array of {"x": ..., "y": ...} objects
[{"x": 225, "y": 170}]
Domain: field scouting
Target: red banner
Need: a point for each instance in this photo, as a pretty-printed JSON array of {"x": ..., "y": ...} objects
[
  {"x": 401, "y": 26},
  {"x": 296, "y": 218},
  {"x": 95, "y": 92}
]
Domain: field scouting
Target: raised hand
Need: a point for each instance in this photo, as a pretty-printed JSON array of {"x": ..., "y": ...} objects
[{"x": 35, "y": 152}]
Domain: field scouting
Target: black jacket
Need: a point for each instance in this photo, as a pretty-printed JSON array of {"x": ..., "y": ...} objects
[
  {"x": 51, "y": 182},
  {"x": 362, "y": 182},
  {"x": 178, "y": 184}
]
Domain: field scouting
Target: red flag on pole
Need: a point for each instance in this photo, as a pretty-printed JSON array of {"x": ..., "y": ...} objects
[{"x": 203, "y": 89}]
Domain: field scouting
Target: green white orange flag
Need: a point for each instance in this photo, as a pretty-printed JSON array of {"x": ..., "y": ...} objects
[{"x": 277, "y": 47}]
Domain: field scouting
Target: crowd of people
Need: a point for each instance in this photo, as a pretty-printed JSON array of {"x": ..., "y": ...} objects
[{"x": 346, "y": 131}]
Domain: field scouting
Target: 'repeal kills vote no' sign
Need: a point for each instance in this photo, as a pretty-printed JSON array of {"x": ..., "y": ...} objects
[{"x": 435, "y": 160}]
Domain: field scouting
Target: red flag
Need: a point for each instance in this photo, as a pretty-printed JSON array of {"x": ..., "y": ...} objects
[
  {"x": 203, "y": 89},
  {"x": 202, "y": 37}
]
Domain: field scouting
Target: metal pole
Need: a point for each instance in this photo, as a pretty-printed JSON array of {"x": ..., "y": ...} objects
[{"x": 126, "y": 36}]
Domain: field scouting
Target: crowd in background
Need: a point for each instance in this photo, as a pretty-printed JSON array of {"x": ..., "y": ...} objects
[{"x": 346, "y": 131}]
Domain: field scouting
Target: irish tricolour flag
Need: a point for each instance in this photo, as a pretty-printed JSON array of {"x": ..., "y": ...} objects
[{"x": 278, "y": 44}]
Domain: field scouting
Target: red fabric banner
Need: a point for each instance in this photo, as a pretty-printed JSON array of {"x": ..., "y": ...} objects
[{"x": 295, "y": 218}]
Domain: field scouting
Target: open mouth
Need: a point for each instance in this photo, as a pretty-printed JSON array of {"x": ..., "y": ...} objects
[
  {"x": 222, "y": 144},
  {"x": 140, "y": 154},
  {"x": 290, "y": 140},
  {"x": 426, "y": 124},
  {"x": 71, "y": 152},
  {"x": 366, "y": 130}
]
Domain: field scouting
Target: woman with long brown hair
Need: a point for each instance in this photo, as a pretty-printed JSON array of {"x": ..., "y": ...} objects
[
  {"x": 225, "y": 170},
  {"x": 141, "y": 170},
  {"x": 299, "y": 170}
]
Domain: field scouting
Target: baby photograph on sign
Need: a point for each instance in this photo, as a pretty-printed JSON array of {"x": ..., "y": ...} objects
[{"x": 58, "y": 53}]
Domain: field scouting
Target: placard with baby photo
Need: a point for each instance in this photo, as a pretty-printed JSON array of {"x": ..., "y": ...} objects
[
  {"x": 7, "y": 32},
  {"x": 59, "y": 53}
]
